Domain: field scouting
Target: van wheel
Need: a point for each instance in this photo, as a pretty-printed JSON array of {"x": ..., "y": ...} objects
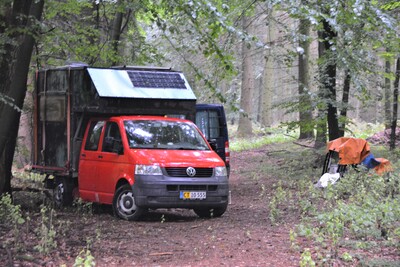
[
  {"x": 210, "y": 212},
  {"x": 124, "y": 205},
  {"x": 62, "y": 193}
]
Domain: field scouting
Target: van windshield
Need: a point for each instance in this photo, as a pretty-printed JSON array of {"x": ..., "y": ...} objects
[{"x": 155, "y": 134}]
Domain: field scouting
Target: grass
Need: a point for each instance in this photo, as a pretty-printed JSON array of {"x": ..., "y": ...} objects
[
  {"x": 261, "y": 138},
  {"x": 281, "y": 135}
]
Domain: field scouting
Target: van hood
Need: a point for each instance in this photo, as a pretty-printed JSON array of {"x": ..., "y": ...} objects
[{"x": 177, "y": 158}]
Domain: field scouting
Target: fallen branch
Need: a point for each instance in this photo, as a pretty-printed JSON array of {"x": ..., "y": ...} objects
[
  {"x": 310, "y": 145},
  {"x": 161, "y": 254}
]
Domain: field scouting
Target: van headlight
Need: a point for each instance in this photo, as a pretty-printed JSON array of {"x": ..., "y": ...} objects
[
  {"x": 148, "y": 169},
  {"x": 221, "y": 171}
]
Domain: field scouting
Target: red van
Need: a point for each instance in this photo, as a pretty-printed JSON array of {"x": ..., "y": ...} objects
[
  {"x": 125, "y": 136},
  {"x": 141, "y": 162}
]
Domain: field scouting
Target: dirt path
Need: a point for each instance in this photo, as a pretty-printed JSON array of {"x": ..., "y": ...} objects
[{"x": 243, "y": 236}]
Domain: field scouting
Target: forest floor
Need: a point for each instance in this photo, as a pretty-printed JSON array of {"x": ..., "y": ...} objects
[{"x": 243, "y": 236}]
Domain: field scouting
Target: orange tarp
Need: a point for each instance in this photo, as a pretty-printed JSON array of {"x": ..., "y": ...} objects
[
  {"x": 351, "y": 150},
  {"x": 385, "y": 166}
]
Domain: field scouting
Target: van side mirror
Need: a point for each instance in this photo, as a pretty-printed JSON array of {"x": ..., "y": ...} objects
[
  {"x": 117, "y": 147},
  {"x": 213, "y": 144}
]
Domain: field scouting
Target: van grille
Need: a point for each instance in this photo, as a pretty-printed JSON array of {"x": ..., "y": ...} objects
[
  {"x": 181, "y": 172},
  {"x": 186, "y": 187}
]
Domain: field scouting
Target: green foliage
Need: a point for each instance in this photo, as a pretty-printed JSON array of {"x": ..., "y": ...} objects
[
  {"x": 84, "y": 259},
  {"x": 292, "y": 238},
  {"x": 280, "y": 196},
  {"x": 11, "y": 218},
  {"x": 10, "y": 215},
  {"x": 361, "y": 206},
  {"x": 306, "y": 259},
  {"x": 362, "y": 30},
  {"x": 46, "y": 232},
  {"x": 346, "y": 257},
  {"x": 391, "y": 5},
  {"x": 29, "y": 176}
]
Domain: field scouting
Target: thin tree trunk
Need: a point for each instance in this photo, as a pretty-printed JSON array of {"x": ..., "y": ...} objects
[
  {"x": 388, "y": 95},
  {"x": 245, "y": 126},
  {"x": 268, "y": 77},
  {"x": 395, "y": 106},
  {"x": 305, "y": 106},
  {"x": 345, "y": 102}
]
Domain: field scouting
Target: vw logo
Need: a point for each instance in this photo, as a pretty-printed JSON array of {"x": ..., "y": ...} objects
[{"x": 191, "y": 172}]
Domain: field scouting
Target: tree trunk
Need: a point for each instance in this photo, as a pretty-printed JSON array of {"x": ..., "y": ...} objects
[
  {"x": 388, "y": 95},
  {"x": 15, "y": 68},
  {"x": 345, "y": 102},
  {"x": 328, "y": 81},
  {"x": 268, "y": 78},
  {"x": 116, "y": 35},
  {"x": 395, "y": 105},
  {"x": 245, "y": 125},
  {"x": 305, "y": 106}
]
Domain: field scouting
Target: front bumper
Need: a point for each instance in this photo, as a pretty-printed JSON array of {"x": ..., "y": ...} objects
[{"x": 160, "y": 191}]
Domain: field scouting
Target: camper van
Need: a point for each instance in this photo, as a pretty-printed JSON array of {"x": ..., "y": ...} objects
[{"x": 126, "y": 137}]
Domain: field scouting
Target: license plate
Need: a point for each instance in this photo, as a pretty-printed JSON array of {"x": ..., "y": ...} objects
[{"x": 192, "y": 195}]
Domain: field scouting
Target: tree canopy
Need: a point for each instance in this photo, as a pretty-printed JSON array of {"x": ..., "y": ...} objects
[{"x": 210, "y": 42}]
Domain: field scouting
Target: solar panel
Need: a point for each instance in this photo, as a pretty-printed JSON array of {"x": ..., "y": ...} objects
[{"x": 151, "y": 79}]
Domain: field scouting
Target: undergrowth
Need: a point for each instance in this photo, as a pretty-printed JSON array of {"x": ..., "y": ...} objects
[
  {"x": 345, "y": 224},
  {"x": 20, "y": 234}
]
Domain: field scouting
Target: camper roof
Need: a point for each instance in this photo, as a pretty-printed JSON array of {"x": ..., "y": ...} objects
[{"x": 141, "y": 83}]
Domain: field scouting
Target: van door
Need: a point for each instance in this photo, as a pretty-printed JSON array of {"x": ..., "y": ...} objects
[
  {"x": 211, "y": 120},
  {"x": 89, "y": 160},
  {"x": 111, "y": 162}
]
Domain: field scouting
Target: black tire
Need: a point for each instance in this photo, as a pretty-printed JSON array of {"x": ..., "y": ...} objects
[
  {"x": 62, "y": 192},
  {"x": 210, "y": 212},
  {"x": 124, "y": 205}
]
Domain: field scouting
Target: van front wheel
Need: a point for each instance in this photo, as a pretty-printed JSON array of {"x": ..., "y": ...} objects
[{"x": 124, "y": 205}]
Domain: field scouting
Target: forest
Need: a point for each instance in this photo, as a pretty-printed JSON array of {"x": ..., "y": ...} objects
[{"x": 313, "y": 70}]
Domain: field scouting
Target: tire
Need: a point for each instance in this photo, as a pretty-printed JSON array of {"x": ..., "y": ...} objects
[
  {"x": 210, "y": 212},
  {"x": 124, "y": 205},
  {"x": 62, "y": 192}
]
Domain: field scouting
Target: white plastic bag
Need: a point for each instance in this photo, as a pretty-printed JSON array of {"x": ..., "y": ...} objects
[{"x": 328, "y": 178}]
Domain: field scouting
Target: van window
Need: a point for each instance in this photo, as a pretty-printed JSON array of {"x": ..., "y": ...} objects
[
  {"x": 208, "y": 122},
  {"x": 111, "y": 135},
  {"x": 92, "y": 143},
  {"x": 164, "y": 135}
]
